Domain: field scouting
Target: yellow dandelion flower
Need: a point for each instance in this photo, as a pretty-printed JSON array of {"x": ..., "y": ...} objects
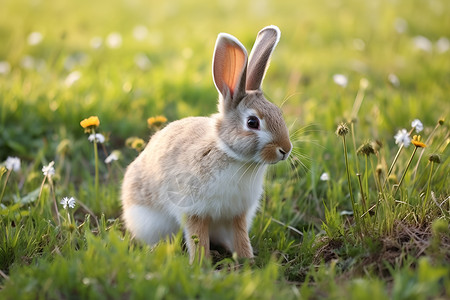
[
  {"x": 157, "y": 121},
  {"x": 416, "y": 141},
  {"x": 138, "y": 144},
  {"x": 90, "y": 122}
]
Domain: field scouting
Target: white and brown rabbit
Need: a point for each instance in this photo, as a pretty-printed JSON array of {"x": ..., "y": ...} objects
[{"x": 205, "y": 174}]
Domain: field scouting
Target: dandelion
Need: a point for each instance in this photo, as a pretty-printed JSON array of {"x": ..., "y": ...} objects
[
  {"x": 417, "y": 124},
  {"x": 49, "y": 170},
  {"x": 342, "y": 131},
  {"x": 416, "y": 141},
  {"x": 400, "y": 25},
  {"x": 142, "y": 61},
  {"x": 422, "y": 43},
  {"x": 5, "y": 67},
  {"x": 366, "y": 149},
  {"x": 114, "y": 40},
  {"x": 340, "y": 80},
  {"x": 72, "y": 78},
  {"x": 393, "y": 79},
  {"x": 112, "y": 157},
  {"x": 90, "y": 123},
  {"x": 96, "y": 137},
  {"x": 68, "y": 202},
  {"x": 96, "y": 42},
  {"x": 325, "y": 176},
  {"x": 34, "y": 38},
  {"x": 27, "y": 62},
  {"x": 138, "y": 144},
  {"x": 442, "y": 45},
  {"x": 140, "y": 32},
  {"x": 402, "y": 138},
  {"x": 12, "y": 163},
  {"x": 157, "y": 121}
]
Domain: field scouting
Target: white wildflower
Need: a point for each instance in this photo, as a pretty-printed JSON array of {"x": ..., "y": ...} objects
[
  {"x": 140, "y": 32},
  {"x": 49, "y": 170},
  {"x": 141, "y": 60},
  {"x": 68, "y": 202},
  {"x": 28, "y": 62},
  {"x": 12, "y": 163},
  {"x": 442, "y": 45},
  {"x": 400, "y": 25},
  {"x": 72, "y": 78},
  {"x": 98, "y": 137},
  {"x": 114, "y": 40},
  {"x": 422, "y": 43},
  {"x": 96, "y": 42},
  {"x": 402, "y": 137},
  {"x": 359, "y": 44},
  {"x": 112, "y": 157},
  {"x": 340, "y": 79},
  {"x": 34, "y": 38},
  {"x": 5, "y": 67},
  {"x": 417, "y": 125},
  {"x": 325, "y": 176},
  {"x": 393, "y": 79}
]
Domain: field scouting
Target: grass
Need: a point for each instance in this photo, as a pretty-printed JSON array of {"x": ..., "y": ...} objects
[{"x": 311, "y": 241}]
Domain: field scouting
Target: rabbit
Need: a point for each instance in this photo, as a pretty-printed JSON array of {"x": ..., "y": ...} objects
[{"x": 205, "y": 174}]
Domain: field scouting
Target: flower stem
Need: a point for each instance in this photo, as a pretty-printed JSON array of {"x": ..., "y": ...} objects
[
  {"x": 4, "y": 185},
  {"x": 344, "y": 144},
  {"x": 406, "y": 169},
  {"x": 425, "y": 202},
  {"x": 96, "y": 166},
  {"x": 393, "y": 164}
]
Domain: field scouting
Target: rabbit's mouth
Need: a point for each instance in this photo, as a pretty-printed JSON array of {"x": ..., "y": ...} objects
[{"x": 273, "y": 153}]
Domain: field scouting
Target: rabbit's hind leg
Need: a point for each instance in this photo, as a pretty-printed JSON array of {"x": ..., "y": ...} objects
[{"x": 148, "y": 224}]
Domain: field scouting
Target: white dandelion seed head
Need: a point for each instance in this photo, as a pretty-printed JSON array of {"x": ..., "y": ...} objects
[
  {"x": 114, "y": 40},
  {"x": 142, "y": 61},
  {"x": 417, "y": 124},
  {"x": 400, "y": 25},
  {"x": 72, "y": 78},
  {"x": 325, "y": 176},
  {"x": 68, "y": 202},
  {"x": 393, "y": 79},
  {"x": 442, "y": 45},
  {"x": 28, "y": 62},
  {"x": 5, "y": 67},
  {"x": 12, "y": 163},
  {"x": 359, "y": 44},
  {"x": 422, "y": 43},
  {"x": 98, "y": 137},
  {"x": 402, "y": 137},
  {"x": 340, "y": 80},
  {"x": 140, "y": 32},
  {"x": 49, "y": 170},
  {"x": 35, "y": 38},
  {"x": 112, "y": 157},
  {"x": 96, "y": 42}
]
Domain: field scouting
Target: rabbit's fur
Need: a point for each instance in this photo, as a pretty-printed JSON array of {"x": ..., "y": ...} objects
[{"x": 205, "y": 175}]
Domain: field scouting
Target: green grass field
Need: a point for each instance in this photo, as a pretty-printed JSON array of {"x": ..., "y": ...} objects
[{"x": 385, "y": 236}]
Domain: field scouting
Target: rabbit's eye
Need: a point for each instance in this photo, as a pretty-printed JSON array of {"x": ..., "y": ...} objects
[{"x": 253, "y": 122}]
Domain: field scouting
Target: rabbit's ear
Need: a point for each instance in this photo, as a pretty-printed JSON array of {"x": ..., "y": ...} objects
[
  {"x": 265, "y": 42},
  {"x": 229, "y": 68}
]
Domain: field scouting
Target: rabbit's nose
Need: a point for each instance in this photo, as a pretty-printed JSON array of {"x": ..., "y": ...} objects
[{"x": 283, "y": 153}]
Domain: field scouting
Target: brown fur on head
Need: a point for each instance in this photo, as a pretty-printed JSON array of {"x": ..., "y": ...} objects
[{"x": 266, "y": 138}]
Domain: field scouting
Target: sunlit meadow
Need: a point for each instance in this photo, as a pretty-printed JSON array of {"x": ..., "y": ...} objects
[{"x": 360, "y": 210}]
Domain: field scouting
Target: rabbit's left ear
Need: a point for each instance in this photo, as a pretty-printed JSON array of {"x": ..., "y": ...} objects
[{"x": 265, "y": 43}]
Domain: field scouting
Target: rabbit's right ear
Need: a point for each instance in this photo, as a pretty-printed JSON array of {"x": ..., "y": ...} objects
[{"x": 229, "y": 69}]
